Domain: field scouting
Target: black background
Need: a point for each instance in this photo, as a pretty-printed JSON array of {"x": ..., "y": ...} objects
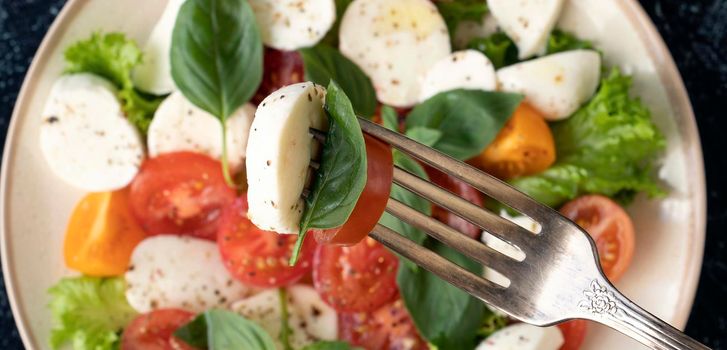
[{"x": 694, "y": 30}]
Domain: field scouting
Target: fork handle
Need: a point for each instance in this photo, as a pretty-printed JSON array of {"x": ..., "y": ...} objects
[{"x": 611, "y": 308}]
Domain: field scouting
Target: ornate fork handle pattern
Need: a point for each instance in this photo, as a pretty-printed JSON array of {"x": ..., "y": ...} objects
[{"x": 605, "y": 304}]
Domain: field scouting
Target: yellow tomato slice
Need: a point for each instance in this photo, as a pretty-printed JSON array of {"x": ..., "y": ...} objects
[
  {"x": 101, "y": 234},
  {"x": 523, "y": 147}
]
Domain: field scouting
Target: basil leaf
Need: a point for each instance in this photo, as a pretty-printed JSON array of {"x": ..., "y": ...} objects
[
  {"x": 217, "y": 54},
  {"x": 468, "y": 119},
  {"x": 456, "y": 11},
  {"x": 498, "y": 47},
  {"x": 424, "y": 135},
  {"x": 330, "y": 345},
  {"x": 390, "y": 118},
  {"x": 331, "y": 37},
  {"x": 341, "y": 177},
  {"x": 445, "y": 315},
  {"x": 223, "y": 330},
  {"x": 324, "y": 63}
]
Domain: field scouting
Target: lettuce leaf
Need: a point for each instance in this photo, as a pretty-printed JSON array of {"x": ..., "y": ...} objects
[
  {"x": 560, "y": 41},
  {"x": 89, "y": 312},
  {"x": 607, "y": 147},
  {"x": 113, "y": 56}
]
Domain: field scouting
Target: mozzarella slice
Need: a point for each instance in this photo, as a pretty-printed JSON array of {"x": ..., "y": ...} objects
[
  {"x": 85, "y": 137},
  {"x": 467, "y": 69},
  {"x": 293, "y": 24},
  {"x": 522, "y": 336},
  {"x": 527, "y": 22},
  {"x": 394, "y": 42},
  {"x": 279, "y": 151},
  {"x": 154, "y": 74},
  {"x": 468, "y": 30},
  {"x": 309, "y": 318},
  {"x": 556, "y": 85},
  {"x": 179, "y": 125},
  {"x": 179, "y": 272}
]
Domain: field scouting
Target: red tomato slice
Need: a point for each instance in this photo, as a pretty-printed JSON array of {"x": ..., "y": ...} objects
[
  {"x": 256, "y": 257},
  {"x": 280, "y": 68},
  {"x": 574, "y": 333},
  {"x": 357, "y": 278},
  {"x": 180, "y": 193},
  {"x": 610, "y": 227},
  {"x": 154, "y": 331},
  {"x": 462, "y": 189},
  {"x": 372, "y": 203},
  {"x": 389, "y": 327}
]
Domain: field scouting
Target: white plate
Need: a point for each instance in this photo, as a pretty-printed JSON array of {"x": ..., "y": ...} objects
[{"x": 35, "y": 205}]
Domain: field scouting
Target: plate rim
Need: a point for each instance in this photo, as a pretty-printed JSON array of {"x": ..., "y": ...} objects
[{"x": 656, "y": 48}]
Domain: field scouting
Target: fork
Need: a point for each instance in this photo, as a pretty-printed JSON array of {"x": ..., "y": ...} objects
[{"x": 558, "y": 280}]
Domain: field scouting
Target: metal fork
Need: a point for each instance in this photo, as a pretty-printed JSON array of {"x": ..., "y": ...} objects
[{"x": 559, "y": 279}]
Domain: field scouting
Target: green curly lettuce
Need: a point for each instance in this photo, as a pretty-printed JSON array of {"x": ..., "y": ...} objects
[
  {"x": 89, "y": 313},
  {"x": 607, "y": 147},
  {"x": 113, "y": 56},
  {"x": 560, "y": 41}
]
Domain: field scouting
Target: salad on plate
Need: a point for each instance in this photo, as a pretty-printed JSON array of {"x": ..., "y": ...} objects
[{"x": 231, "y": 190}]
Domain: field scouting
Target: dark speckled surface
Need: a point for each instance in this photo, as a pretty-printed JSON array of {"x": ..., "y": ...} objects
[{"x": 695, "y": 31}]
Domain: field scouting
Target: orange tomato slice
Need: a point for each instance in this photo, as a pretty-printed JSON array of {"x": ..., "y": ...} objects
[
  {"x": 523, "y": 147},
  {"x": 101, "y": 234}
]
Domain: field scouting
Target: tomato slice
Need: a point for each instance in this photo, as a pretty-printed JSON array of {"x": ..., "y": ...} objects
[
  {"x": 574, "y": 333},
  {"x": 101, "y": 234},
  {"x": 180, "y": 193},
  {"x": 372, "y": 203},
  {"x": 357, "y": 278},
  {"x": 463, "y": 190},
  {"x": 154, "y": 331},
  {"x": 280, "y": 68},
  {"x": 389, "y": 327},
  {"x": 610, "y": 227},
  {"x": 256, "y": 257}
]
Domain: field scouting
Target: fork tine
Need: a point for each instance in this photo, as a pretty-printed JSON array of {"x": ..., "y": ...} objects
[
  {"x": 471, "y": 248},
  {"x": 488, "y": 221},
  {"x": 475, "y": 285},
  {"x": 485, "y": 183}
]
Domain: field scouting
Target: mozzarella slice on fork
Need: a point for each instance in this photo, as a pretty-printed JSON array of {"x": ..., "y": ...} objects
[
  {"x": 467, "y": 69},
  {"x": 522, "y": 336},
  {"x": 394, "y": 42},
  {"x": 309, "y": 318},
  {"x": 279, "y": 150},
  {"x": 293, "y": 24},
  {"x": 179, "y": 125},
  {"x": 85, "y": 137}
]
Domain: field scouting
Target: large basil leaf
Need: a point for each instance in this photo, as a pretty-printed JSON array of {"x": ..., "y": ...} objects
[
  {"x": 445, "y": 315},
  {"x": 468, "y": 119},
  {"x": 217, "y": 54},
  {"x": 341, "y": 177},
  {"x": 224, "y": 330},
  {"x": 324, "y": 63}
]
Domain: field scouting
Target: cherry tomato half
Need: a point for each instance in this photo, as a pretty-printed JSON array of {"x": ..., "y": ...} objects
[
  {"x": 154, "y": 331},
  {"x": 280, "y": 68},
  {"x": 463, "y": 190},
  {"x": 180, "y": 193},
  {"x": 256, "y": 257},
  {"x": 610, "y": 227},
  {"x": 574, "y": 333},
  {"x": 371, "y": 204},
  {"x": 389, "y": 327},
  {"x": 357, "y": 278}
]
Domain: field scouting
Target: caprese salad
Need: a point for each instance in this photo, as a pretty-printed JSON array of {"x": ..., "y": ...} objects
[{"x": 231, "y": 190}]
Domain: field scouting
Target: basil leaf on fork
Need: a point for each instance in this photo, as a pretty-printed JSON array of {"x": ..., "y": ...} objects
[{"x": 341, "y": 177}]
